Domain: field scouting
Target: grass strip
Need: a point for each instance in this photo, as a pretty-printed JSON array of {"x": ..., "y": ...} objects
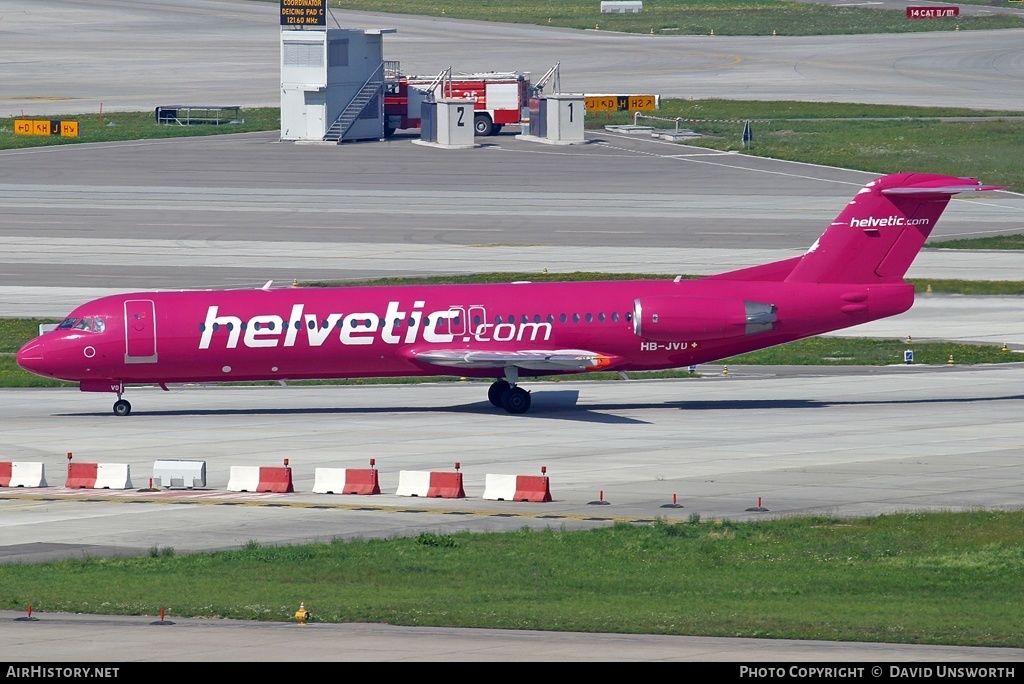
[{"x": 924, "y": 578}]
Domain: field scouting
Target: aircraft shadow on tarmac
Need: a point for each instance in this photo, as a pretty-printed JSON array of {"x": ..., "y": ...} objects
[
  {"x": 563, "y": 405},
  {"x": 560, "y": 404}
]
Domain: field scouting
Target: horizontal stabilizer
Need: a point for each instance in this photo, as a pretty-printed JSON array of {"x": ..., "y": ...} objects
[{"x": 918, "y": 191}]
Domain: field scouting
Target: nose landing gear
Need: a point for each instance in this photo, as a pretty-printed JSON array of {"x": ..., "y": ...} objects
[{"x": 121, "y": 406}]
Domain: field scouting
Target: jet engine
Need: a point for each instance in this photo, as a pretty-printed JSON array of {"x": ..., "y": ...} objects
[{"x": 674, "y": 319}]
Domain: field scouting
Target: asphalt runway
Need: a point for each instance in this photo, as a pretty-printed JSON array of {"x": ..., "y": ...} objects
[{"x": 236, "y": 211}]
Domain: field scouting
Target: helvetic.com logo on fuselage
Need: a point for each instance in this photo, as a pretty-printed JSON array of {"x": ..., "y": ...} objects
[
  {"x": 875, "y": 222},
  {"x": 361, "y": 328}
]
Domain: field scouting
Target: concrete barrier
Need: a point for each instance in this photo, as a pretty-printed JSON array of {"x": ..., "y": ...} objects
[
  {"x": 175, "y": 473},
  {"x": 446, "y": 486},
  {"x": 276, "y": 479},
  {"x": 517, "y": 488},
  {"x": 98, "y": 476},
  {"x": 346, "y": 481},
  {"x": 533, "y": 488},
  {"x": 622, "y": 7},
  {"x": 430, "y": 484},
  {"x": 413, "y": 483},
  {"x": 260, "y": 479},
  {"x": 113, "y": 476},
  {"x": 81, "y": 476},
  {"x": 244, "y": 479},
  {"x": 22, "y": 474}
]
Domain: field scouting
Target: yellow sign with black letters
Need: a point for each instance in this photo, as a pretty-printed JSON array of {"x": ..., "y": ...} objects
[
  {"x": 67, "y": 129},
  {"x": 621, "y": 103}
]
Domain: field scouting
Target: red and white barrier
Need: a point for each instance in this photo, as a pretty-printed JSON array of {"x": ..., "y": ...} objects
[
  {"x": 81, "y": 475},
  {"x": 346, "y": 481},
  {"x": 21, "y": 474},
  {"x": 429, "y": 484},
  {"x": 113, "y": 476},
  {"x": 517, "y": 488},
  {"x": 260, "y": 479},
  {"x": 98, "y": 476}
]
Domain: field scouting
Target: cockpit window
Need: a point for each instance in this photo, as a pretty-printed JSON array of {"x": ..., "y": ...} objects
[{"x": 88, "y": 324}]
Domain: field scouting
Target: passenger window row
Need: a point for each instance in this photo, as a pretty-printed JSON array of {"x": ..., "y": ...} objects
[{"x": 498, "y": 320}]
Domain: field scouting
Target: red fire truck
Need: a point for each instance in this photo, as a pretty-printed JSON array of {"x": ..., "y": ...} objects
[{"x": 500, "y": 98}]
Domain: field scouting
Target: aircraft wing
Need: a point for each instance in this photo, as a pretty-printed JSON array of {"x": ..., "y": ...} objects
[{"x": 532, "y": 359}]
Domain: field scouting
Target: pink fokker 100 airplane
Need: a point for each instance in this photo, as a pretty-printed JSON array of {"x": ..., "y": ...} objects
[{"x": 853, "y": 274}]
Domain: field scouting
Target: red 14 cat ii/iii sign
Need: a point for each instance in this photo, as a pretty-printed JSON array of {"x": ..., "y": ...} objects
[{"x": 932, "y": 12}]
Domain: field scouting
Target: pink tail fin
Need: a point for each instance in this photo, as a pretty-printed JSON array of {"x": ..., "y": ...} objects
[{"x": 879, "y": 233}]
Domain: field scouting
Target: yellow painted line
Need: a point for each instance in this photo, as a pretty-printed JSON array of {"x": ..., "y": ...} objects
[
  {"x": 37, "y": 98},
  {"x": 278, "y": 503}
]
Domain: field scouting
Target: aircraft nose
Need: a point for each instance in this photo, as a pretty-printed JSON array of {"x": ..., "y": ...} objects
[{"x": 31, "y": 358}]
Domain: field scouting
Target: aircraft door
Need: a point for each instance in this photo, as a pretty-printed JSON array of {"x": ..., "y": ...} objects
[
  {"x": 454, "y": 323},
  {"x": 460, "y": 325},
  {"x": 140, "y": 331},
  {"x": 477, "y": 317}
]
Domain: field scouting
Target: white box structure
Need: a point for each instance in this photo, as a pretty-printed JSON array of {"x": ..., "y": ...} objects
[
  {"x": 565, "y": 112},
  {"x": 622, "y": 7},
  {"x": 323, "y": 72}
]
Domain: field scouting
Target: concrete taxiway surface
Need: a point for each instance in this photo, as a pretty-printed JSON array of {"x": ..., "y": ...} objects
[
  {"x": 148, "y": 640},
  {"x": 839, "y": 442},
  {"x": 226, "y": 52}
]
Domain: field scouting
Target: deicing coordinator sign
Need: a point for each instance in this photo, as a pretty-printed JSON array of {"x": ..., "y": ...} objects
[{"x": 303, "y": 12}]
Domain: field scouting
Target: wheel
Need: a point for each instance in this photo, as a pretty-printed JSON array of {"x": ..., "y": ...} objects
[
  {"x": 122, "y": 407},
  {"x": 516, "y": 400},
  {"x": 482, "y": 124},
  {"x": 497, "y": 388},
  {"x": 496, "y": 129},
  {"x": 388, "y": 132}
]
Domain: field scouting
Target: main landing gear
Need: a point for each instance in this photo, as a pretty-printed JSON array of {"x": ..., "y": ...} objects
[{"x": 505, "y": 394}]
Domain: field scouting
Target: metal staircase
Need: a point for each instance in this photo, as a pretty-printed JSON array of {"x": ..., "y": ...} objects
[{"x": 369, "y": 90}]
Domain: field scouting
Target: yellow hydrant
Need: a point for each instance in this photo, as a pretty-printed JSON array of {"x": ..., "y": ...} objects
[{"x": 302, "y": 616}]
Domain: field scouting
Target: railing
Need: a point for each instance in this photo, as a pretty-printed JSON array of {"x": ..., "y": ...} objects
[
  {"x": 637, "y": 116},
  {"x": 538, "y": 87},
  {"x": 187, "y": 115},
  {"x": 444, "y": 75}
]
